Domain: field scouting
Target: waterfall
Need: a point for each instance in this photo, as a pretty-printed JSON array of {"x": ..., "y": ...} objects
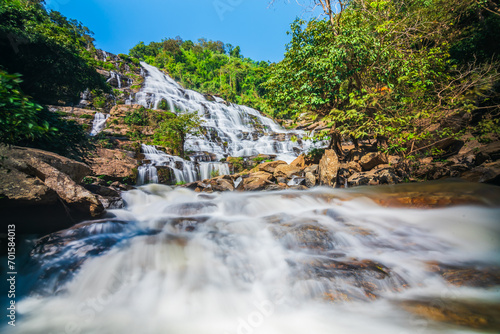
[
  {"x": 213, "y": 169},
  {"x": 231, "y": 130},
  {"x": 320, "y": 261},
  {"x": 116, "y": 76},
  {"x": 184, "y": 171},
  {"x": 99, "y": 123}
]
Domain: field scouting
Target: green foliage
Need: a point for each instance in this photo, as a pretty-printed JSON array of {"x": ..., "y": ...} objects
[
  {"x": 136, "y": 117},
  {"x": 54, "y": 54},
  {"x": 173, "y": 130},
  {"x": 385, "y": 71},
  {"x": 209, "y": 67},
  {"x": 214, "y": 173},
  {"x": 19, "y": 119}
]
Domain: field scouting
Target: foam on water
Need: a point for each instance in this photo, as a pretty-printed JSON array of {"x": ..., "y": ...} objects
[{"x": 182, "y": 262}]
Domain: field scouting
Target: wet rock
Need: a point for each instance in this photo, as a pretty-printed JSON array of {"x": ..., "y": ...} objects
[
  {"x": 304, "y": 235},
  {"x": 384, "y": 175},
  {"x": 310, "y": 180},
  {"x": 328, "y": 168},
  {"x": 471, "y": 314},
  {"x": 361, "y": 280},
  {"x": 467, "y": 275},
  {"x": 371, "y": 160},
  {"x": 270, "y": 167},
  {"x": 38, "y": 197},
  {"x": 286, "y": 171}
]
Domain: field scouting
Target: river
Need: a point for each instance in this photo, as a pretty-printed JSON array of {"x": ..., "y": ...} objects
[{"x": 320, "y": 261}]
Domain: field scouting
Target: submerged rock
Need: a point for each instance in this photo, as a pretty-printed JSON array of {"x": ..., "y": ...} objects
[{"x": 471, "y": 314}]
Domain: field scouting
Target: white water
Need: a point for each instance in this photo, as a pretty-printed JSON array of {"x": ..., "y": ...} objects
[
  {"x": 235, "y": 263},
  {"x": 232, "y": 130},
  {"x": 184, "y": 171},
  {"x": 99, "y": 123}
]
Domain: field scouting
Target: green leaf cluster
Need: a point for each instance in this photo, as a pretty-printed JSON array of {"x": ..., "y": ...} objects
[
  {"x": 173, "y": 130},
  {"x": 386, "y": 71},
  {"x": 54, "y": 54}
]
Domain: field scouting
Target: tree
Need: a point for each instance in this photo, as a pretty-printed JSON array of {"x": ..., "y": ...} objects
[
  {"x": 383, "y": 72},
  {"x": 18, "y": 119},
  {"x": 173, "y": 130},
  {"x": 53, "y": 54}
]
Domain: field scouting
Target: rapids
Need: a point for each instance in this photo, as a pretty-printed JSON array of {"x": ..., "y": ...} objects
[{"x": 292, "y": 262}]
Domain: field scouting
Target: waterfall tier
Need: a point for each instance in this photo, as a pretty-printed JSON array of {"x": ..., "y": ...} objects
[{"x": 230, "y": 129}]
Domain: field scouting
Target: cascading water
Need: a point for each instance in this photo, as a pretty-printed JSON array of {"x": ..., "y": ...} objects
[
  {"x": 320, "y": 261},
  {"x": 231, "y": 130},
  {"x": 183, "y": 170},
  {"x": 99, "y": 123}
]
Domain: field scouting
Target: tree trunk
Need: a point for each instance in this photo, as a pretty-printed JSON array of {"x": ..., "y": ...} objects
[{"x": 336, "y": 143}]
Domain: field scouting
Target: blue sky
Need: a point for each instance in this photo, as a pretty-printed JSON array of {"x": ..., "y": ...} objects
[{"x": 259, "y": 29}]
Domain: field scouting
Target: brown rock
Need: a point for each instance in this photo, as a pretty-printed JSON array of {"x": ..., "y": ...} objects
[
  {"x": 299, "y": 162},
  {"x": 371, "y": 160},
  {"x": 222, "y": 185},
  {"x": 71, "y": 193},
  {"x": 461, "y": 275},
  {"x": 114, "y": 163},
  {"x": 328, "y": 168},
  {"x": 310, "y": 180},
  {"x": 255, "y": 181},
  {"x": 485, "y": 173},
  {"x": 270, "y": 166},
  {"x": 21, "y": 189},
  {"x": 74, "y": 169},
  {"x": 312, "y": 169},
  {"x": 286, "y": 171},
  {"x": 472, "y": 314}
]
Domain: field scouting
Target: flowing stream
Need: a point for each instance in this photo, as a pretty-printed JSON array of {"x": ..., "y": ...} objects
[{"x": 320, "y": 261}]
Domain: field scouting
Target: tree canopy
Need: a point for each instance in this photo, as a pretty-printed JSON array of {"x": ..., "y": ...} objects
[{"x": 392, "y": 70}]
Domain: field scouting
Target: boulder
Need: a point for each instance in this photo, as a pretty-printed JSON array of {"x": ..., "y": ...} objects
[
  {"x": 312, "y": 169},
  {"x": 386, "y": 175},
  {"x": 255, "y": 181},
  {"x": 310, "y": 180},
  {"x": 286, "y": 171},
  {"x": 115, "y": 164},
  {"x": 74, "y": 169},
  {"x": 328, "y": 168},
  {"x": 373, "y": 159},
  {"x": 485, "y": 173},
  {"x": 38, "y": 197},
  {"x": 270, "y": 167},
  {"x": 479, "y": 316},
  {"x": 299, "y": 162},
  {"x": 68, "y": 190},
  {"x": 221, "y": 184}
]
